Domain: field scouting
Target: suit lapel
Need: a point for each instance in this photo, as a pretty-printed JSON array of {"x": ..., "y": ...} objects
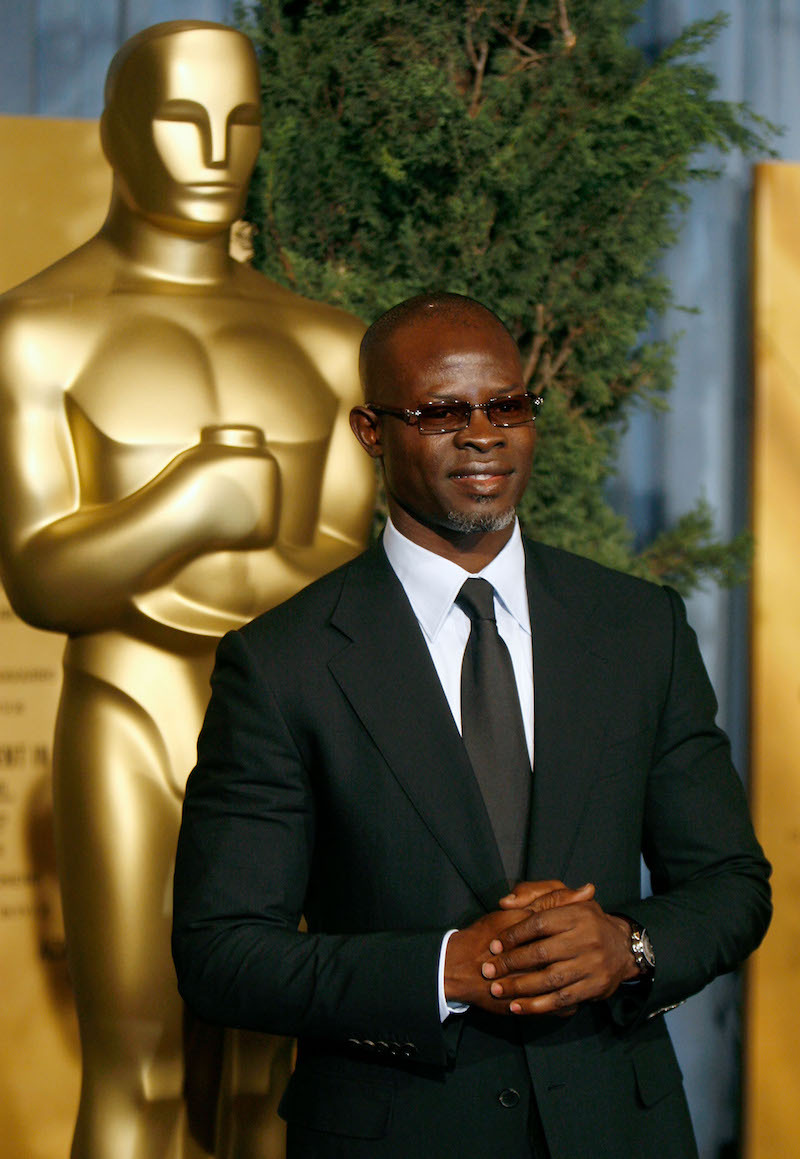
[
  {"x": 388, "y": 677},
  {"x": 571, "y": 706}
]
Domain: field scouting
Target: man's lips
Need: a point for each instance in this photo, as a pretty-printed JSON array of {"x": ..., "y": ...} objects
[
  {"x": 486, "y": 479},
  {"x": 484, "y": 471}
]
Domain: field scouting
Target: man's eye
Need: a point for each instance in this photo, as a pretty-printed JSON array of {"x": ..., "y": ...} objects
[
  {"x": 443, "y": 413},
  {"x": 509, "y": 406}
]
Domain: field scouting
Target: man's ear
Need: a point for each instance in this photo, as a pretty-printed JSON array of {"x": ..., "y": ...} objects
[{"x": 366, "y": 426}]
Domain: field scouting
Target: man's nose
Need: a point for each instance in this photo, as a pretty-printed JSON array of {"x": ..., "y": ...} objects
[{"x": 480, "y": 432}]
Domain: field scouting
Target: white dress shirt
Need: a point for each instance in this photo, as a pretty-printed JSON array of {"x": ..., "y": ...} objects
[{"x": 432, "y": 584}]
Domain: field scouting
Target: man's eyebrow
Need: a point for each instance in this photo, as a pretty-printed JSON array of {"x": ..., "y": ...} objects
[{"x": 448, "y": 395}]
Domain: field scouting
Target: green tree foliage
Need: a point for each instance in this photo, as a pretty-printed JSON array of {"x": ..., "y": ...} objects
[{"x": 524, "y": 153}]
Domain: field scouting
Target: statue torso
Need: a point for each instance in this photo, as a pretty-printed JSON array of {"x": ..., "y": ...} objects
[{"x": 142, "y": 373}]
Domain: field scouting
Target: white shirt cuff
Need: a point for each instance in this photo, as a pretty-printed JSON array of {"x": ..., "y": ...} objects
[{"x": 447, "y": 1008}]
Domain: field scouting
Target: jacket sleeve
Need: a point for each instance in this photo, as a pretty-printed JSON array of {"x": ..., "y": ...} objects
[
  {"x": 711, "y": 898},
  {"x": 243, "y": 862}
]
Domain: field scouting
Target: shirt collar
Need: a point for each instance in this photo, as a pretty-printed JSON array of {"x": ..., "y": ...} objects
[{"x": 432, "y": 582}]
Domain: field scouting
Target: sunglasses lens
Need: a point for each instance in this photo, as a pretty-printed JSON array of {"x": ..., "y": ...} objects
[
  {"x": 437, "y": 418},
  {"x": 510, "y": 412}
]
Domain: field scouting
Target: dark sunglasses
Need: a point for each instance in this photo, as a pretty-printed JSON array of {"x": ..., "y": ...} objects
[{"x": 439, "y": 418}]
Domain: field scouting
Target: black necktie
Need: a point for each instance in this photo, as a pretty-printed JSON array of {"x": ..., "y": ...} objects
[{"x": 492, "y": 728}]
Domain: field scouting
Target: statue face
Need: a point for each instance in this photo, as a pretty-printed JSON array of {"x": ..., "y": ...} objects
[{"x": 184, "y": 130}]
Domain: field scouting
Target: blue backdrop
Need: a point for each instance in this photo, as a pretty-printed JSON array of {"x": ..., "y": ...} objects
[{"x": 53, "y": 58}]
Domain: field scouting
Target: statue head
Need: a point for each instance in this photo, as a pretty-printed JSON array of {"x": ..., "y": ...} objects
[{"x": 181, "y": 124}]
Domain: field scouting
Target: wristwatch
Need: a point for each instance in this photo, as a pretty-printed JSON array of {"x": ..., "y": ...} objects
[{"x": 642, "y": 949}]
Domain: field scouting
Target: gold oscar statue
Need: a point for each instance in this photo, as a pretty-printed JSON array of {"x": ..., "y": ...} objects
[{"x": 176, "y": 457}]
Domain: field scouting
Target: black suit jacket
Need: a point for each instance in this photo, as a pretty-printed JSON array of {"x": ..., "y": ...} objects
[{"x": 332, "y": 782}]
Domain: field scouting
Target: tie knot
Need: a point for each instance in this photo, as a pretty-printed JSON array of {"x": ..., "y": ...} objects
[{"x": 476, "y": 598}]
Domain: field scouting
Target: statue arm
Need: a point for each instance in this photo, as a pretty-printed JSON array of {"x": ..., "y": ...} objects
[{"x": 348, "y": 485}]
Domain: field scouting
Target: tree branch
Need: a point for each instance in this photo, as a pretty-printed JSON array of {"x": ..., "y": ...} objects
[
  {"x": 478, "y": 58},
  {"x": 570, "y": 39},
  {"x": 540, "y": 337}
]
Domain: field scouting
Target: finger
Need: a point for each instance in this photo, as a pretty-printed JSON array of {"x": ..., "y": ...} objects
[
  {"x": 525, "y": 893},
  {"x": 532, "y": 895},
  {"x": 533, "y": 1008},
  {"x": 533, "y": 955},
  {"x": 527, "y": 930},
  {"x": 561, "y": 897},
  {"x": 561, "y": 1003},
  {"x": 593, "y": 972},
  {"x": 553, "y": 979},
  {"x": 549, "y": 915},
  {"x": 534, "y": 925}
]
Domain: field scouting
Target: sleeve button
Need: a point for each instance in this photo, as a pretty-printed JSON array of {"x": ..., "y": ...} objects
[{"x": 508, "y": 1097}]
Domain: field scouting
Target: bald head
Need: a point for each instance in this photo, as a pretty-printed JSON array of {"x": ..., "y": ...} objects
[{"x": 423, "y": 312}]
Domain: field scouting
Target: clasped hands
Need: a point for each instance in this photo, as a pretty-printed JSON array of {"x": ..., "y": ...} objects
[{"x": 546, "y": 950}]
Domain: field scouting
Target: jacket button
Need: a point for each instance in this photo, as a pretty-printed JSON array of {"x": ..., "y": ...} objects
[{"x": 508, "y": 1097}]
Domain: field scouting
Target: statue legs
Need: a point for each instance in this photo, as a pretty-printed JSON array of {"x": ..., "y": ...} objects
[
  {"x": 116, "y": 821},
  {"x": 255, "y": 1074}
]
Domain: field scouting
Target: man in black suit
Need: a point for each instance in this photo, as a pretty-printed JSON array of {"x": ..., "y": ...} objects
[{"x": 343, "y": 774}]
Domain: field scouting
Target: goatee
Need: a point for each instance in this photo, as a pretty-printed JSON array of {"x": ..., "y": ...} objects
[{"x": 469, "y": 522}]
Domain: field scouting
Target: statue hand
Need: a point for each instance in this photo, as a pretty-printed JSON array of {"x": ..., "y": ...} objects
[{"x": 236, "y": 489}]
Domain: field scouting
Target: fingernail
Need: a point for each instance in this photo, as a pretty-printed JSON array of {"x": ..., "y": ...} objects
[
  {"x": 496, "y": 989},
  {"x": 488, "y": 969},
  {"x": 496, "y": 947},
  {"x": 515, "y": 1008}
]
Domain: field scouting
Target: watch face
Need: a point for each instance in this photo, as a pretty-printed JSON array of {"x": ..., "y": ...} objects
[
  {"x": 642, "y": 949},
  {"x": 647, "y": 950}
]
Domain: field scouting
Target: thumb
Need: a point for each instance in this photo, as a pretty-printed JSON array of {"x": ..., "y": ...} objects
[{"x": 561, "y": 897}]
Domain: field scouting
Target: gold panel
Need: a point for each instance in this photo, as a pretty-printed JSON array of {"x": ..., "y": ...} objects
[
  {"x": 54, "y": 189},
  {"x": 55, "y": 185},
  {"x": 772, "y": 1079}
]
